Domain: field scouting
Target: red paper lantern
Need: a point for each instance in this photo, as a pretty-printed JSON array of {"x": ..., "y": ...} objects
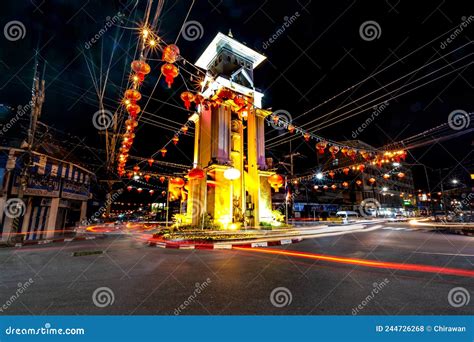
[
  {"x": 198, "y": 98},
  {"x": 291, "y": 128},
  {"x": 133, "y": 109},
  {"x": 331, "y": 174},
  {"x": 150, "y": 161},
  {"x": 386, "y": 176},
  {"x": 321, "y": 146},
  {"x": 187, "y": 97},
  {"x": 131, "y": 124},
  {"x": 334, "y": 186},
  {"x": 352, "y": 153},
  {"x": 141, "y": 67},
  {"x": 163, "y": 152},
  {"x": 177, "y": 182},
  {"x": 163, "y": 193},
  {"x": 345, "y": 184},
  {"x": 372, "y": 180},
  {"x": 401, "y": 175},
  {"x": 346, "y": 170},
  {"x": 184, "y": 129},
  {"x": 147, "y": 177},
  {"x": 361, "y": 167},
  {"x": 276, "y": 181},
  {"x": 139, "y": 190},
  {"x": 129, "y": 188},
  {"x": 151, "y": 192},
  {"x": 170, "y": 71},
  {"x": 359, "y": 182},
  {"x": 196, "y": 173},
  {"x": 136, "y": 168},
  {"x": 162, "y": 179},
  {"x": 132, "y": 95},
  {"x": 334, "y": 149},
  {"x": 175, "y": 140},
  {"x": 171, "y": 53},
  {"x": 306, "y": 137}
]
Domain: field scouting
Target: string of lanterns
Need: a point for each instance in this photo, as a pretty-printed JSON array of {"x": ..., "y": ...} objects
[
  {"x": 333, "y": 147},
  {"x": 276, "y": 181}
]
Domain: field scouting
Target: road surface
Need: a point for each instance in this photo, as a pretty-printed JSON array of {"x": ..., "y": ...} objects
[{"x": 131, "y": 278}]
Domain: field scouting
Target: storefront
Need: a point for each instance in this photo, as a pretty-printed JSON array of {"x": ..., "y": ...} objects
[{"x": 54, "y": 199}]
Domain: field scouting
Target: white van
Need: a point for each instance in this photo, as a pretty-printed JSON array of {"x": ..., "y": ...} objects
[{"x": 347, "y": 215}]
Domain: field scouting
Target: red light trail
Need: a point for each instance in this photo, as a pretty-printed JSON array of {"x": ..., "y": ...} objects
[{"x": 364, "y": 262}]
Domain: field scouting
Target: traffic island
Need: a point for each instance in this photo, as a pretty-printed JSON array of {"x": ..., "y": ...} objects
[{"x": 247, "y": 239}]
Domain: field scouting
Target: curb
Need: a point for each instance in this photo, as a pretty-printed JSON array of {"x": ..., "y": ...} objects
[
  {"x": 45, "y": 242},
  {"x": 221, "y": 245}
]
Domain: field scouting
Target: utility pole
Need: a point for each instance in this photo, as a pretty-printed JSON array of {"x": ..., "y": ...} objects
[
  {"x": 442, "y": 195},
  {"x": 37, "y": 99},
  {"x": 291, "y": 165}
]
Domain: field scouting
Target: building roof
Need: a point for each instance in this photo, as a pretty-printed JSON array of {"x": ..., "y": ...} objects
[{"x": 220, "y": 41}]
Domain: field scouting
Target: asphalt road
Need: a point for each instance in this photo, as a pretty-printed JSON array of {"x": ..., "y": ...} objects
[{"x": 148, "y": 280}]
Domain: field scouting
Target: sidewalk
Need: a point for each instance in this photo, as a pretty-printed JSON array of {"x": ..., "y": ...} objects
[{"x": 5, "y": 244}]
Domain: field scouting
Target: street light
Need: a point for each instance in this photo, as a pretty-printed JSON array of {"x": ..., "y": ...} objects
[
  {"x": 319, "y": 175},
  {"x": 455, "y": 181},
  {"x": 384, "y": 188}
]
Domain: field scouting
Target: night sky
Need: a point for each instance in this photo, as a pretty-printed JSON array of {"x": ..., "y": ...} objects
[{"x": 320, "y": 54}]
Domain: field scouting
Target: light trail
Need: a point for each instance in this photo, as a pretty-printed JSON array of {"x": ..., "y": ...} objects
[{"x": 364, "y": 262}]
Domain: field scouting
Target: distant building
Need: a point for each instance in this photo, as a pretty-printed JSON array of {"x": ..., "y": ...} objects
[
  {"x": 55, "y": 197},
  {"x": 310, "y": 198}
]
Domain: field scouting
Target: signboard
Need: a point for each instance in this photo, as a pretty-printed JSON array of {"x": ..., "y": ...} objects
[
  {"x": 38, "y": 185},
  {"x": 75, "y": 191}
]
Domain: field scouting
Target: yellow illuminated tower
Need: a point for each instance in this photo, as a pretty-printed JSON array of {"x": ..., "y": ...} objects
[{"x": 230, "y": 140}]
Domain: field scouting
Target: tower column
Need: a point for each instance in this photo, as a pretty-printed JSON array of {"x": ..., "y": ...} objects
[
  {"x": 253, "y": 180},
  {"x": 220, "y": 145},
  {"x": 260, "y": 130}
]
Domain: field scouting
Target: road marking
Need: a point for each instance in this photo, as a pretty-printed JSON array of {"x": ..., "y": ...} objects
[
  {"x": 452, "y": 254},
  {"x": 222, "y": 246}
]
